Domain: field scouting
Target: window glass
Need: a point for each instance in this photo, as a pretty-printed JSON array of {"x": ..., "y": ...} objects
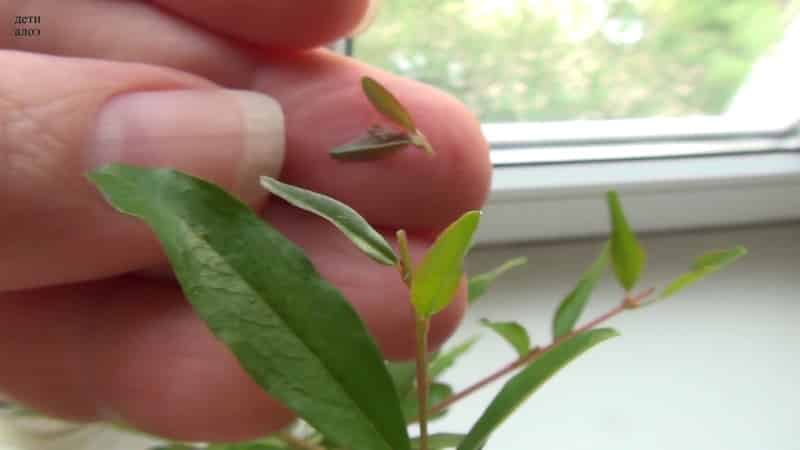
[{"x": 545, "y": 60}]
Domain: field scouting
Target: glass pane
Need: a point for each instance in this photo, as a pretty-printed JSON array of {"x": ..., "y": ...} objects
[{"x": 544, "y": 60}]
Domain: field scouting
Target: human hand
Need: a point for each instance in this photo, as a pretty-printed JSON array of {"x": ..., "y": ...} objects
[{"x": 84, "y": 334}]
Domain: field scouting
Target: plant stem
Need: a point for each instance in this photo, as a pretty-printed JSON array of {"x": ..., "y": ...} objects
[
  {"x": 295, "y": 442},
  {"x": 422, "y": 380},
  {"x": 628, "y": 303},
  {"x": 404, "y": 264}
]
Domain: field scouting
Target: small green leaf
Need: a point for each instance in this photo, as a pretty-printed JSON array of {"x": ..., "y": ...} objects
[
  {"x": 377, "y": 143},
  {"x": 571, "y": 308},
  {"x": 244, "y": 446},
  {"x": 386, "y": 103},
  {"x": 437, "y": 392},
  {"x": 703, "y": 266},
  {"x": 514, "y": 333},
  {"x": 347, "y": 220},
  {"x": 627, "y": 255},
  {"x": 718, "y": 258},
  {"x": 479, "y": 284},
  {"x": 403, "y": 375},
  {"x": 439, "y": 441},
  {"x": 435, "y": 279},
  {"x": 292, "y": 332},
  {"x": 525, "y": 383},
  {"x": 446, "y": 359}
]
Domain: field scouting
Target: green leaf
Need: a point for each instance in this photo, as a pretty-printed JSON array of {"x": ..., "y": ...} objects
[
  {"x": 386, "y": 103},
  {"x": 446, "y": 359},
  {"x": 703, "y": 266},
  {"x": 347, "y": 220},
  {"x": 377, "y": 143},
  {"x": 403, "y": 375},
  {"x": 479, "y": 284},
  {"x": 627, "y": 255},
  {"x": 571, "y": 308},
  {"x": 718, "y": 259},
  {"x": 435, "y": 279},
  {"x": 439, "y": 441},
  {"x": 525, "y": 383},
  {"x": 513, "y": 333},
  {"x": 437, "y": 392},
  {"x": 293, "y": 332}
]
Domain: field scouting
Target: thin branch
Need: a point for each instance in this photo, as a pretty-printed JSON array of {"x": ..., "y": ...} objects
[{"x": 627, "y": 303}]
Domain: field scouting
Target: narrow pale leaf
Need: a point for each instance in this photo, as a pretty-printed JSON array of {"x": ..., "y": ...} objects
[
  {"x": 447, "y": 358},
  {"x": 439, "y": 441},
  {"x": 718, "y": 258},
  {"x": 703, "y": 266},
  {"x": 292, "y": 332},
  {"x": 479, "y": 284},
  {"x": 435, "y": 279},
  {"x": 571, "y": 308},
  {"x": 376, "y": 144},
  {"x": 627, "y": 255},
  {"x": 386, "y": 103},
  {"x": 514, "y": 333},
  {"x": 437, "y": 392},
  {"x": 525, "y": 383},
  {"x": 347, "y": 220}
]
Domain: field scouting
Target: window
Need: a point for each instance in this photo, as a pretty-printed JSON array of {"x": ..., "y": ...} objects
[{"x": 691, "y": 108}]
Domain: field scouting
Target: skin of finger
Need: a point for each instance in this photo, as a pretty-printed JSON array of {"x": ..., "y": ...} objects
[
  {"x": 47, "y": 115},
  {"x": 132, "y": 349},
  {"x": 287, "y": 24},
  {"x": 420, "y": 192},
  {"x": 216, "y": 40}
]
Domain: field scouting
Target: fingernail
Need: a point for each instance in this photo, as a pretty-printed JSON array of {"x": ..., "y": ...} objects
[
  {"x": 369, "y": 16},
  {"x": 228, "y": 137}
]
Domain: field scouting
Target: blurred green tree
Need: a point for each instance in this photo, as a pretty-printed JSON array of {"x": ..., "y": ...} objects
[{"x": 538, "y": 60}]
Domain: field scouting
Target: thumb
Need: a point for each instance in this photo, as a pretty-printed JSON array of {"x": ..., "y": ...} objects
[{"x": 61, "y": 117}]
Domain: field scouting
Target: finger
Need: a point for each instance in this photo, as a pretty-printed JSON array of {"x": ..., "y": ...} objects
[
  {"x": 216, "y": 40},
  {"x": 325, "y": 107},
  {"x": 278, "y": 23},
  {"x": 67, "y": 116},
  {"x": 132, "y": 349}
]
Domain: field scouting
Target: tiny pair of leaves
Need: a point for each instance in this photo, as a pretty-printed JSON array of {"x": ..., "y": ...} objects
[
  {"x": 379, "y": 142},
  {"x": 292, "y": 332}
]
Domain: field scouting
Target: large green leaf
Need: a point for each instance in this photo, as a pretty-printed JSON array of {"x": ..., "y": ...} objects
[
  {"x": 479, "y": 284},
  {"x": 627, "y": 255},
  {"x": 445, "y": 360},
  {"x": 345, "y": 218},
  {"x": 514, "y": 333},
  {"x": 435, "y": 279},
  {"x": 293, "y": 332},
  {"x": 525, "y": 383},
  {"x": 571, "y": 308},
  {"x": 703, "y": 266}
]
